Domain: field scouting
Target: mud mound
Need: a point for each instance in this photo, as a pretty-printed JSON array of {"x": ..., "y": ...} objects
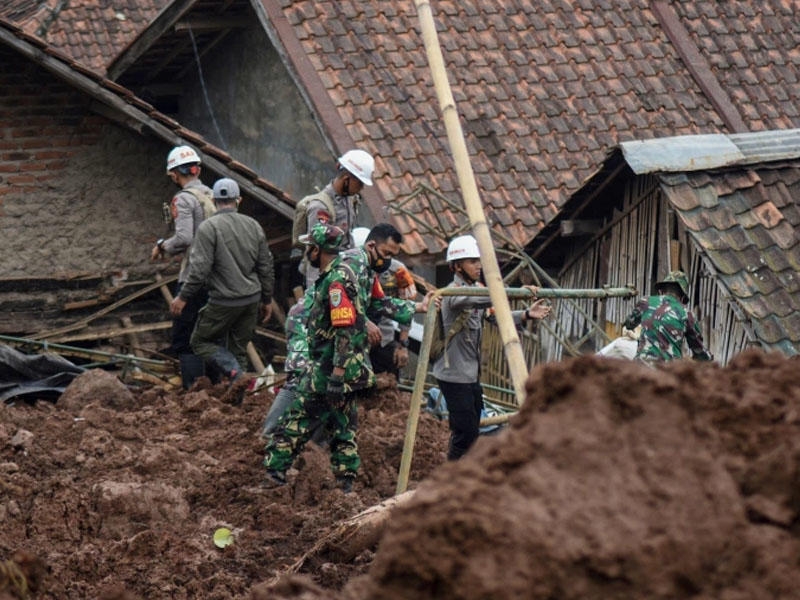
[
  {"x": 118, "y": 492},
  {"x": 614, "y": 481}
]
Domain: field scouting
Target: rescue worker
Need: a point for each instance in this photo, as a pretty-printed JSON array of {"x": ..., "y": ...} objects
[
  {"x": 355, "y": 169},
  {"x": 457, "y": 370},
  {"x": 390, "y": 354},
  {"x": 296, "y": 361},
  {"x": 230, "y": 257},
  {"x": 339, "y": 370},
  {"x": 666, "y": 323},
  {"x": 187, "y": 209}
]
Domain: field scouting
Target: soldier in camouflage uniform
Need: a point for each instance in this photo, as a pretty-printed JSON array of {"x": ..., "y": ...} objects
[
  {"x": 296, "y": 360},
  {"x": 666, "y": 323},
  {"x": 339, "y": 369}
]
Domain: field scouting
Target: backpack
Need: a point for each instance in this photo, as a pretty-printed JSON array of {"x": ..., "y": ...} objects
[
  {"x": 300, "y": 222},
  {"x": 440, "y": 340},
  {"x": 206, "y": 199}
]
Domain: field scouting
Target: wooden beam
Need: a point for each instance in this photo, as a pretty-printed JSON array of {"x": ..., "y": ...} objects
[
  {"x": 574, "y": 227},
  {"x": 110, "y": 332},
  {"x": 163, "y": 23},
  {"x": 84, "y": 322},
  {"x": 200, "y": 24}
]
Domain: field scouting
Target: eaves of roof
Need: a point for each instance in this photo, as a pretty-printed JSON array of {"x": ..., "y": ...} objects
[
  {"x": 746, "y": 221},
  {"x": 90, "y": 32}
]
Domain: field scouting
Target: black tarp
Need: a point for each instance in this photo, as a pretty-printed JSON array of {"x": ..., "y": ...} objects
[{"x": 43, "y": 376}]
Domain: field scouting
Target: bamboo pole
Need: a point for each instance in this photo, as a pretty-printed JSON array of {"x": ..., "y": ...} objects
[
  {"x": 472, "y": 202},
  {"x": 425, "y": 348}
]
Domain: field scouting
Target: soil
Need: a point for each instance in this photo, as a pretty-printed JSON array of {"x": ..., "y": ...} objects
[{"x": 614, "y": 481}]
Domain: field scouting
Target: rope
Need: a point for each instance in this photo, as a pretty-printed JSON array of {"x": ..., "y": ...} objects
[{"x": 205, "y": 91}]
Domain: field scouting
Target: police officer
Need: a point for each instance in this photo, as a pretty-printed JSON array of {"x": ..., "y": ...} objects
[
  {"x": 457, "y": 371},
  {"x": 187, "y": 209},
  {"x": 342, "y": 196}
]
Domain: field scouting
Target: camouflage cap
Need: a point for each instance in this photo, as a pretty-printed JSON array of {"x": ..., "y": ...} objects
[
  {"x": 678, "y": 278},
  {"x": 325, "y": 235}
]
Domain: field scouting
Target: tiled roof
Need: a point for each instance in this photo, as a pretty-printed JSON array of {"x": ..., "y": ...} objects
[
  {"x": 747, "y": 221},
  {"x": 91, "y": 32},
  {"x": 753, "y": 49},
  {"x": 141, "y": 115},
  {"x": 544, "y": 89}
]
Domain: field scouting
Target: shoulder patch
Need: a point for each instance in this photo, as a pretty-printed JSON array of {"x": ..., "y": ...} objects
[{"x": 343, "y": 313}]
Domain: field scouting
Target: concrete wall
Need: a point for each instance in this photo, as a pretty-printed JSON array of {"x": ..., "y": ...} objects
[
  {"x": 78, "y": 194},
  {"x": 261, "y": 116}
]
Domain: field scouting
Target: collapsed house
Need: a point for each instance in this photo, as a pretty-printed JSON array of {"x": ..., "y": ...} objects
[{"x": 543, "y": 92}]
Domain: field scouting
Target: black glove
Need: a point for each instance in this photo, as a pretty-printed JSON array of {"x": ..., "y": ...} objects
[{"x": 335, "y": 391}]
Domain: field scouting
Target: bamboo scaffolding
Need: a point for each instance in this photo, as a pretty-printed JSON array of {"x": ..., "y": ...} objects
[{"x": 427, "y": 335}]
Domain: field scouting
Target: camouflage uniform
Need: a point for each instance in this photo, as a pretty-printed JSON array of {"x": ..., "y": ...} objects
[
  {"x": 666, "y": 323},
  {"x": 345, "y": 293},
  {"x": 396, "y": 282},
  {"x": 295, "y": 363}
]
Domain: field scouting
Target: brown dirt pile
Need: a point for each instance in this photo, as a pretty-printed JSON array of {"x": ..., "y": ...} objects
[{"x": 614, "y": 481}]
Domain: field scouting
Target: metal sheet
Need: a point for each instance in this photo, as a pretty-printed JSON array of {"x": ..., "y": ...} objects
[{"x": 681, "y": 153}]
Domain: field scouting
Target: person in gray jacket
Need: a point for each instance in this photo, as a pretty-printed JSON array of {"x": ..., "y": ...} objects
[
  {"x": 230, "y": 257},
  {"x": 188, "y": 208},
  {"x": 458, "y": 369}
]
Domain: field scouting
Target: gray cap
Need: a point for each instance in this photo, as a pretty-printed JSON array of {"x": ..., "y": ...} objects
[{"x": 226, "y": 189}]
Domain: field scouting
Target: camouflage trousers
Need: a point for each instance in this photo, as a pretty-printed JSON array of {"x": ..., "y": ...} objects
[{"x": 305, "y": 416}]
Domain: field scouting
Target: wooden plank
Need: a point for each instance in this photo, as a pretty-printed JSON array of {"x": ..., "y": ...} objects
[
  {"x": 99, "y": 334},
  {"x": 84, "y": 322}
]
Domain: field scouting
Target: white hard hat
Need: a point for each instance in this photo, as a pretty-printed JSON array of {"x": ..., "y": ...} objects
[
  {"x": 359, "y": 163},
  {"x": 464, "y": 246},
  {"x": 181, "y": 155},
  {"x": 360, "y": 236}
]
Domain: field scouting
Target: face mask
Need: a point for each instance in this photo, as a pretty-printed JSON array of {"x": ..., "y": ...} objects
[
  {"x": 314, "y": 262},
  {"x": 378, "y": 263}
]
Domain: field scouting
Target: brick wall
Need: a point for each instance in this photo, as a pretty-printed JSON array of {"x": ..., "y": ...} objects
[{"x": 78, "y": 193}]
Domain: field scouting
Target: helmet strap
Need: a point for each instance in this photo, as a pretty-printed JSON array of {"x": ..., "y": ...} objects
[{"x": 460, "y": 271}]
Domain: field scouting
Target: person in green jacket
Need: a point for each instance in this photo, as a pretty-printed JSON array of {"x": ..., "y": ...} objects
[{"x": 231, "y": 259}]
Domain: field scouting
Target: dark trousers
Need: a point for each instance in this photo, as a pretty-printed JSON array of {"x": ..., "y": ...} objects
[
  {"x": 464, "y": 404},
  {"x": 223, "y": 332},
  {"x": 382, "y": 359},
  {"x": 183, "y": 324}
]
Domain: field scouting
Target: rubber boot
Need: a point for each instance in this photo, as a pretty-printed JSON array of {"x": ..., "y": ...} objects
[
  {"x": 229, "y": 366},
  {"x": 192, "y": 367}
]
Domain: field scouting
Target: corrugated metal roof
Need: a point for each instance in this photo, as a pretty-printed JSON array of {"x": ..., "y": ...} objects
[
  {"x": 700, "y": 152},
  {"x": 680, "y": 153}
]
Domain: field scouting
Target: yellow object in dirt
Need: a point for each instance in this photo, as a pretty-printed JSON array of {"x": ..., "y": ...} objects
[{"x": 223, "y": 537}]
